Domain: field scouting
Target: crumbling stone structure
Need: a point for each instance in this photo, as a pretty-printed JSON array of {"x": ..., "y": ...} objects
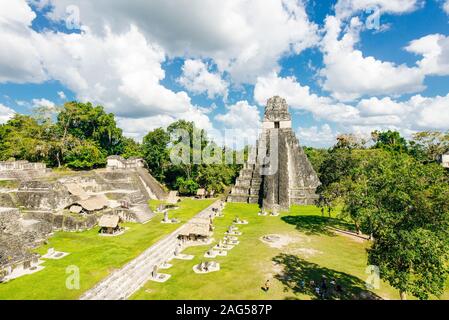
[
  {"x": 278, "y": 172},
  {"x": 22, "y": 170}
]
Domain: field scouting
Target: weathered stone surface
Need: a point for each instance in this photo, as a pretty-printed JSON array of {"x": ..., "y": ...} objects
[
  {"x": 278, "y": 174},
  {"x": 39, "y": 195},
  {"x": 22, "y": 170}
]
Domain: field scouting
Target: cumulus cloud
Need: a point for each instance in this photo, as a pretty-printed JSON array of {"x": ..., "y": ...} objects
[
  {"x": 5, "y": 113},
  {"x": 20, "y": 62},
  {"x": 121, "y": 71},
  {"x": 235, "y": 34},
  {"x": 348, "y": 74},
  {"x": 241, "y": 124},
  {"x": 138, "y": 127},
  {"x": 62, "y": 95},
  {"x": 239, "y": 115},
  {"x": 446, "y": 6},
  {"x": 197, "y": 79},
  {"x": 301, "y": 98},
  {"x": 414, "y": 114},
  {"x": 346, "y": 8},
  {"x": 319, "y": 136},
  {"x": 435, "y": 51},
  {"x": 43, "y": 103}
]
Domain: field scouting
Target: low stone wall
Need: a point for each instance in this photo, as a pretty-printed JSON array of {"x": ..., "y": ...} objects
[
  {"x": 21, "y": 170},
  {"x": 21, "y": 165},
  {"x": 64, "y": 222},
  {"x": 38, "y": 195}
]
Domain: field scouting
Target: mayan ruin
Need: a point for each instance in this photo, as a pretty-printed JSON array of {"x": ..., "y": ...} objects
[
  {"x": 223, "y": 159},
  {"x": 289, "y": 178}
]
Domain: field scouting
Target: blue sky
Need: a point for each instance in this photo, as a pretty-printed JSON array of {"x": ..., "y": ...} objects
[{"x": 152, "y": 63}]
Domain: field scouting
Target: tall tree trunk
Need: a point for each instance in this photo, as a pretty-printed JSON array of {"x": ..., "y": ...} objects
[
  {"x": 357, "y": 227},
  {"x": 403, "y": 295},
  {"x": 57, "y": 159}
]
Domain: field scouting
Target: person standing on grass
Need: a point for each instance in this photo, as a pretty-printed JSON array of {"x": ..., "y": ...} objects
[{"x": 267, "y": 285}]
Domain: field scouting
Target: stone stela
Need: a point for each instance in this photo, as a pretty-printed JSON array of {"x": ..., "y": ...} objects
[{"x": 278, "y": 172}]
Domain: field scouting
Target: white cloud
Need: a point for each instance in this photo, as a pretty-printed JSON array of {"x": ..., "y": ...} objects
[
  {"x": 5, "y": 113},
  {"x": 19, "y": 59},
  {"x": 138, "y": 127},
  {"x": 435, "y": 51},
  {"x": 377, "y": 107},
  {"x": 239, "y": 115},
  {"x": 121, "y": 71},
  {"x": 43, "y": 103},
  {"x": 320, "y": 136},
  {"x": 431, "y": 113},
  {"x": 414, "y": 114},
  {"x": 197, "y": 79},
  {"x": 62, "y": 95},
  {"x": 241, "y": 124},
  {"x": 299, "y": 97},
  {"x": 244, "y": 37},
  {"x": 348, "y": 74},
  {"x": 446, "y": 6},
  {"x": 346, "y": 8}
]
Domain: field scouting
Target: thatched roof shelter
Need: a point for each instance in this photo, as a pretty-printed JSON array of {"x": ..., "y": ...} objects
[
  {"x": 201, "y": 192},
  {"x": 93, "y": 203},
  {"x": 109, "y": 221},
  {"x": 173, "y": 197},
  {"x": 196, "y": 229},
  {"x": 77, "y": 190}
]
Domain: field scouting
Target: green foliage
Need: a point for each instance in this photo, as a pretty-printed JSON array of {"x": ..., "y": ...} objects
[
  {"x": 316, "y": 156},
  {"x": 402, "y": 204},
  {"x": 189, "y": 175},
  {"x": 155, "y": 151},
  {"x": 427, "y": 146},
  {"x": 216, "y": 177},
  {"x": 85, "y": 155},
  {"x": 394, "y": 194},
  {"x": 130, "y": 148},
  {"x": 84, "y": 121},
  {"x": 186, "y": 186},
  {"x": 389, "y": 140}
]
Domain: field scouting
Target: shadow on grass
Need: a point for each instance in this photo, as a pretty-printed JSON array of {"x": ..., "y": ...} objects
[
  {"x": 298, "y": 275},
  {"x": 317, "y": 224}
]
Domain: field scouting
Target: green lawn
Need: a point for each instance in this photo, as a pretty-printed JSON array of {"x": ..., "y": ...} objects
[
  {"x": 95, "y": 256},
  {"x": 316, "y": 252}
]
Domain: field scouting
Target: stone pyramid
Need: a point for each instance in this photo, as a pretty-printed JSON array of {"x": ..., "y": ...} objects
[{"x": 277, "y": 173}]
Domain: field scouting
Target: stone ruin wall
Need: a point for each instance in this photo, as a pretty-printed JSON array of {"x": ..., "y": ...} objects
[{"x": 22, "y": 170}]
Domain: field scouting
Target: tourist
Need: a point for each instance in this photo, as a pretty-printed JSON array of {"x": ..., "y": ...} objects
[
  {"x": 312, "y": 284},
  {"x": 339, "y": 288},
  {"x": 323, "y": 285},
  {"x": 267, "y": 285}
]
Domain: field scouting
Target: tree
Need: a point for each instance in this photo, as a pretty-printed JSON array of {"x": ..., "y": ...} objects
[
  {"x": 389, "y": 140},
  {"x": 429, "y": 145},
  {"x": 186, "y": 186},
  {"x": 156, "y": 153},
  {"x": 130, "y": 148},
  {"x": 215, "y": 177},
  {"x": 84, "y": 121},
  {"x": 84, "y": 155},
  {"x": 24, "y": 139},
  {"x": 402, "y": 203},
  {"x": 315, "y": 156}
]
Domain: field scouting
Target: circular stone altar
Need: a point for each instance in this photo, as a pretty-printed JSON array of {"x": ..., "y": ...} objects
[{"x": 276, "y": 240}]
